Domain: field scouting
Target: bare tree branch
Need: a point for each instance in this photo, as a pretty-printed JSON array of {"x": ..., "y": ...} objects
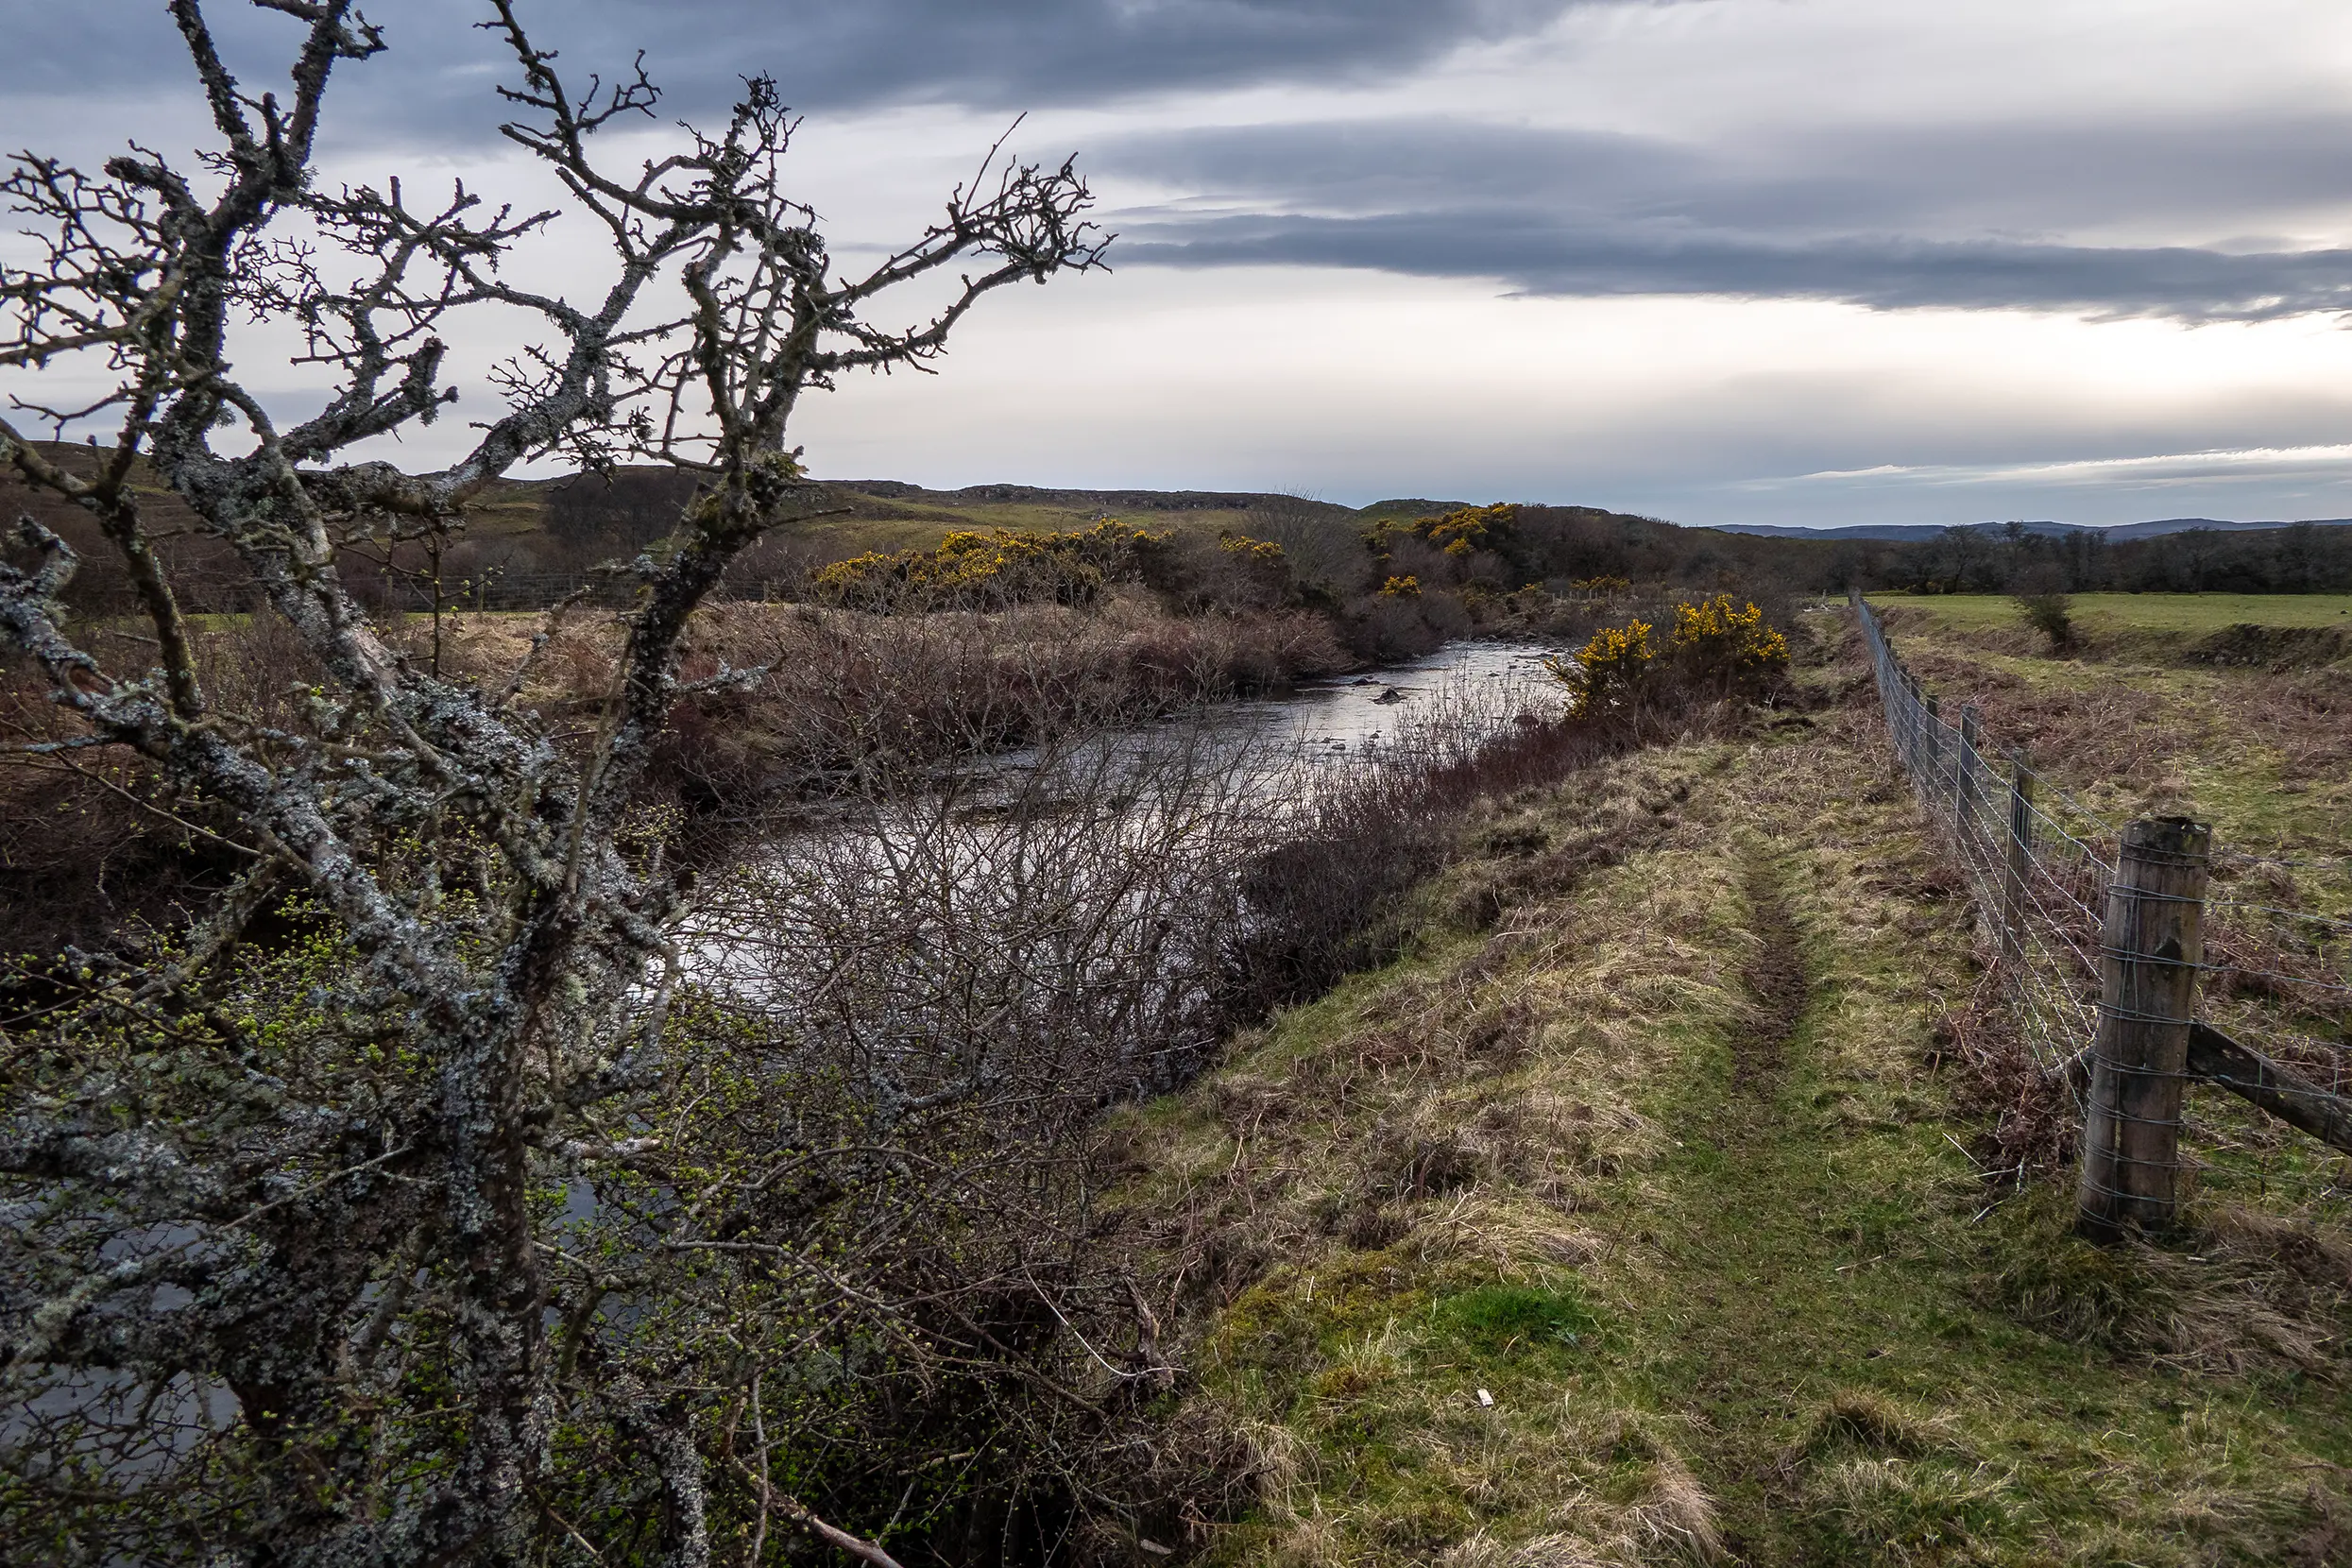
[{"x": 344, "y": 1151}]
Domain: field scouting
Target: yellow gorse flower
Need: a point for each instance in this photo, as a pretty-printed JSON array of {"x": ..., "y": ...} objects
[
  {"x": 1607, "y": 671},
  {"x": 1726, "y": 641},
  {"x": 1264, "y": 550},
  {"x": 987, "y": 569},
  {"x": 1713, "y": 645}
]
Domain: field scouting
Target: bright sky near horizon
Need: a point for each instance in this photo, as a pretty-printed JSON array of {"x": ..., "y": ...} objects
[{"x": 1815, "y": 262}]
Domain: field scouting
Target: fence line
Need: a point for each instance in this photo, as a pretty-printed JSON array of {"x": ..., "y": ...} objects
[{"x": 2090, "y": 919}]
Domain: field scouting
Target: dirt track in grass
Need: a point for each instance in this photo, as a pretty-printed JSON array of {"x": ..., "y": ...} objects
[{"x": 1775, "y": 977}]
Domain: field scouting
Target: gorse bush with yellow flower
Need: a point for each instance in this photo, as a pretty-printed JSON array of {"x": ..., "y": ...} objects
[
  {"x": 1456, "y": 533},
  {"x": 1611, "y": 671},
  {"x": 1733, "y": 649},
  {"x": 990, "y": 568},
  {"x": 1252, "y": 552},
  {"x": 1713, "y": 650}
]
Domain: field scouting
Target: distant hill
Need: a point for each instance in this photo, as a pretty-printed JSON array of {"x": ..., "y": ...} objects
[
  {"x": 1410, "y": 506},
  {"x": 1912, "y": 530},
  {"x": 898, "y": 496}
]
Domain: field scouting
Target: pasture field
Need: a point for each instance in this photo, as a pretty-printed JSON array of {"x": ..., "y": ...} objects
[
  {"x": 2235, "y": 708},
  {"x": 2190, "y": 614}
]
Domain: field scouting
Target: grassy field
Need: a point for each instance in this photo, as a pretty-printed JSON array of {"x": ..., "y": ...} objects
[
  {"x": 2189, "y": 614},
  {"x": 1651, "y": 1223},
  {"x": 2257, "y": 741}
]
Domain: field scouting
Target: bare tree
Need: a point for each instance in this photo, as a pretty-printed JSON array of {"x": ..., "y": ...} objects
[
  {"x": 1323, "y": 543},
  {"x": 286, "y": 1273}
]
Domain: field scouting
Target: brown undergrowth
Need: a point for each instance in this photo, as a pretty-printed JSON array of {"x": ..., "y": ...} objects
[
  {"x": 88, "y": 843},
  {"x": 2169, "y": 733}
]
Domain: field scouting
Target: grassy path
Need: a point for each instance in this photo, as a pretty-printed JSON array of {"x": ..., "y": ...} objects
[
  {"x": 1752, "y": 1303},
  {"x": 1780, "y": 1311},
  {"x": 1833, "y": 1324}
]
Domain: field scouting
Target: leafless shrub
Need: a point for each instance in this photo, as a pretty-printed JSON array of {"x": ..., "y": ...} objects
[
  {"x": 908, "y": 1013},
  {"x": 1328, "y": 895},
  {"x": 1323, "y": 543},
  {"x": 341, "y": 1247}
]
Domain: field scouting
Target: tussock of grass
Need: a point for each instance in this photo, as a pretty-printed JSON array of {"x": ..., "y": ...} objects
[
  {"x": 1857, "y": 1419},
  {"x": 2239, "y": 1291},
  {"x": 1773, "y": 1314}
]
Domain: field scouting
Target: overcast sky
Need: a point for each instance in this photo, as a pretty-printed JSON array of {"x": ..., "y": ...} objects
[{"x": 1770, "y": 261}]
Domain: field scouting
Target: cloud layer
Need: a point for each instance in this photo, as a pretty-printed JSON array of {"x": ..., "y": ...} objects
[
  {"x": 2200, "y": 216},
  {"x": 1667, "y": 255},
  {"x": 838, "y": 54},
  {"x": 1940, "y": 217}
]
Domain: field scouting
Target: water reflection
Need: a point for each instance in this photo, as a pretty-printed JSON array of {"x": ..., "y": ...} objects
[
  {"x": 1127, "y": 834},
  {"x": 1386, "y": 704}
]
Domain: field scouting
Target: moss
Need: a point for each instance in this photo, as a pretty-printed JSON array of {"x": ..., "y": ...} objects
[{"x": 1495, "y": 1320}]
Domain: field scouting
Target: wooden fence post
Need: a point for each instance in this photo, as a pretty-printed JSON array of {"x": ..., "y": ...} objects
[
  {"x": 1932, "y": 734},
  {"x": 1964, "y": 778},
  {"x": 2020, "y": 865},
  {"x": 2149, "y": 953}
]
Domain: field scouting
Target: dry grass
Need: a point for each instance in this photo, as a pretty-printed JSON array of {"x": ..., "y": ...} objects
[
  {"x": 2262, "y": 750},
  {"x": 79, "y": 854}
]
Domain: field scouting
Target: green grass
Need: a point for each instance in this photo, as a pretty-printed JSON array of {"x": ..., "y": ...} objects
[
  {"x": 2185, "y": 614},
  {"x": 1499, "y": 1319},
  {"x": 2141, "y": 722}
]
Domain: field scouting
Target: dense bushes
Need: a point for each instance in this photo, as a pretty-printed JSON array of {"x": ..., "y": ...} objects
[
  {"x": 83, "y": 851},
  {"x": 1554, "y": 574},
  {"x": 2297, "y": 559},
  {"x": 998, "y": 567},
  {"x": 1715, "y": 652},
  {"x": 988, "y": 569}
]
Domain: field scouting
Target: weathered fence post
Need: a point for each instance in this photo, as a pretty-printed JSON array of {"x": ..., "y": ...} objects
[
  {"x": 1908, "y": 736},
  {"x": 1964, "y": 779},
  {"x": 1932, "y": 732},
  {"x": 2019, "y": 864},
  {"x": 2152, "y": 942}
]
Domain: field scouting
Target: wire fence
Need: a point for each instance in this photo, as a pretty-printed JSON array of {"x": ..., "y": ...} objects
[{"x": 2272, "y": 984}]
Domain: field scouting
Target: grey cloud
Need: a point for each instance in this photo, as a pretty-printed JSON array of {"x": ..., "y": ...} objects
[
  {"x": 1537, "y": 257},
  {"x": 825, "y": 54},
  {"x": 2217, "y": 175},
  {"x": 1958, "y": 217},
  {"x": 1060, "y": 51}
]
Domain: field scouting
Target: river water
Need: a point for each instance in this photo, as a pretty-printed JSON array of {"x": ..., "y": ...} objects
[
  {"x": 1385, "y": 705},
  {"x": 1024, "y": 838}
]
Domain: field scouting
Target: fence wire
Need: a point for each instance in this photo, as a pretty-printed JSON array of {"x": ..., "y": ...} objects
[{"x": 2276, "y": 977}]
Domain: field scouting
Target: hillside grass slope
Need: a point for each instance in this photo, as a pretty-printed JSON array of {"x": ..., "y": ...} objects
[{"x": 1642, "y": 1214}]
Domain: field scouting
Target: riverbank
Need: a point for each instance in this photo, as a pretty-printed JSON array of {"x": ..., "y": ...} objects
[
  {"x": 1629, "y": 1218},
  {"x": 779, "y": 703}
]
